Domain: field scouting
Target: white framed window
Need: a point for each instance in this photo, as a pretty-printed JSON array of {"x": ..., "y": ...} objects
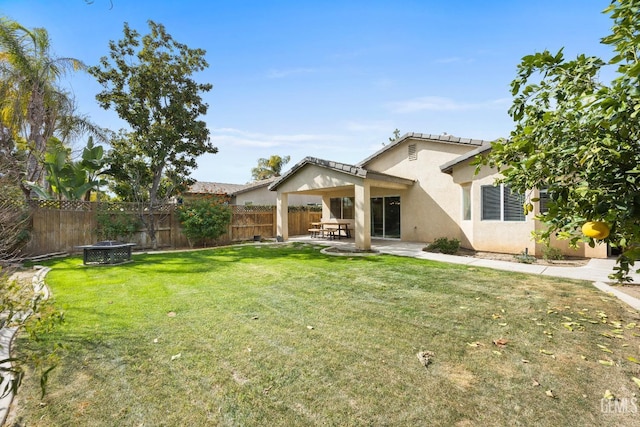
[
  {"x": 499, "y": 203},
  {"x": 466, "y": 202},
  {"x": 545, "y": 197}
]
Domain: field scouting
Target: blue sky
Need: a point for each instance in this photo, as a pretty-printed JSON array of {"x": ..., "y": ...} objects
[{"x": 330, "y": 79}]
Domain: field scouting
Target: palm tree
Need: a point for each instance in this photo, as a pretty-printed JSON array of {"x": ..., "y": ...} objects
[
  {"x": 270, "y": 167},
  {"x": 32, "y": 106}
]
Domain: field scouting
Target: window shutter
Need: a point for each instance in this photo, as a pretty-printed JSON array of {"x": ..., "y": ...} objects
[
  {"x": 490, "y": 202},
  {"x": 513, "y": 210}
]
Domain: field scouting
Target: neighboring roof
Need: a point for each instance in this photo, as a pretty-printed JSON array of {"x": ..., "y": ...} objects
[
  {"x": 448, "y": 167},
  {"x": 201, "y": 187},
  {"x": 255, "y": 185},
  {"x": 445, "y": 139},
  {"x": 339, "y": 167}
]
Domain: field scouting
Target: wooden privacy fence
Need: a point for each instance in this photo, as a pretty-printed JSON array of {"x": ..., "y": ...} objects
[{"x": 61, "y": 226}]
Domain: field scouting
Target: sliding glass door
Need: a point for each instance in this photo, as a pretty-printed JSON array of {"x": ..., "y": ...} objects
[{"x": 385, "y": 217}]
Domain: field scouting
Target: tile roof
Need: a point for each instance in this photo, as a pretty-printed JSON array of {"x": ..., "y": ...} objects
[
  {"x": 445, "y": 139},
  {"x": 448, "y": 167},
  {"x": 348, "y": 169},
  {"x": 201, "y": 187},
  {"x": 255, "y": 184}
]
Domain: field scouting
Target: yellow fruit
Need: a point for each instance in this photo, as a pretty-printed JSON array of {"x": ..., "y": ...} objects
[
  {"x": 530, "y": 207},
  {"x": 596, "y": 229}
]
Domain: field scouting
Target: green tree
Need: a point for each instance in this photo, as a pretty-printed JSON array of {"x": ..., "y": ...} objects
[
  {"x": 33, "y": 107},
  {"x": 204, "y": 219},
  {"x": 579, "y": 138},
  {"x": 147, "y": 81},
  {"x": 71, "y": 180},
  {"x": 270, "y": 167}
]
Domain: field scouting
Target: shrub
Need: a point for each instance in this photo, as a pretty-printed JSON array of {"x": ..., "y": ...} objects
[
  {"x": 204, "y": 219},
  {"x": 525, "y": 258},
  {"x": 444, "y": 245},
  {"x": 551, "y": 253},
  {"x": 116, "y": 225}
]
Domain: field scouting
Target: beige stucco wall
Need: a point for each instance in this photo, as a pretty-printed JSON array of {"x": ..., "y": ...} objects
[
  {"x": 314, "y": 179},
  {"x": 506, "y": 236},
  {"x": 431, "y": 208},
  {"x": 262, "y": 196}
]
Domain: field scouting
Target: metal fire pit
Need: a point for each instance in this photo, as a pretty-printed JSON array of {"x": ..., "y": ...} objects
[{"x": 107, "y": 252}]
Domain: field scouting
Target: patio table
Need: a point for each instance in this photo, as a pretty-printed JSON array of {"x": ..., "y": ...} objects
[{"x": 330, "y": 229}]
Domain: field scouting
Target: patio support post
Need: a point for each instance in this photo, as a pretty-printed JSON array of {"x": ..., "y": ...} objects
[
  {"x": 282, "y": 214},
  {"x": 363, "y": 215}
]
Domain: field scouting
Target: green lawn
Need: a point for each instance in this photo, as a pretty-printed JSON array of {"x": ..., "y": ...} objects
[{"x": 283, "y": 335}]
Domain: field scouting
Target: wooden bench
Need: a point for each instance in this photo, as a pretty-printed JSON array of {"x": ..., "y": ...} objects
[{"x": 315, "y": 232}]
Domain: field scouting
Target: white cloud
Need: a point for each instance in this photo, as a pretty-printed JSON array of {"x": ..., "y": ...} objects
[
  {"x": 237, "y": 137},
  {"x": 436, "y": 103}
]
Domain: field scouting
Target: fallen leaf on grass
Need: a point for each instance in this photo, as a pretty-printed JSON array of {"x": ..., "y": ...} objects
[
  {"x": 255, "y": 318},
  {"x": 604, "y": 348},
  {"x": 524, "y": 361},
  {"x": 583, "y": 357},
  {"x": 171, "y": 314},
  {"x": 502, "y": 343},
  {"x": 497, "y": 353},
  {"x": 636, "y": 380},
  {"x": 474, "y": 344},
  {"x": 309, "y": 327},
  {"x": 535, "y": 383},
  {"x": 176, "y": 356},
  {"x": 608, "y": 395},
  {"x": 605, "y": 362},
  {"x": 550, "y": 394},
  {"x": 633, "y": 359},
  {"x": 548, "y": 353}
]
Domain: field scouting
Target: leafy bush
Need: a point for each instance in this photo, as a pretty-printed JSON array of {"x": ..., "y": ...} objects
[
  {"x": 551, "y": 253},
  {"x": 444, "y": 245},
  {"x": 525, "y": 258},
  {"x": 204, "y": 219},
  {"x": 26, "y": 310},
  {"x": 116, "y": 225}
]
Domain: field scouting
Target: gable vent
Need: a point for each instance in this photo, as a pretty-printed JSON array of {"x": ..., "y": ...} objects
[{"x": 412, "y": 152}]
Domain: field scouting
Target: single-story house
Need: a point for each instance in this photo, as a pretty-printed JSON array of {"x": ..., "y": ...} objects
[
  {"x": 255, "y": 193},
  {"x": 203, "y": 189},
  {"x": 419, "y": 188}
]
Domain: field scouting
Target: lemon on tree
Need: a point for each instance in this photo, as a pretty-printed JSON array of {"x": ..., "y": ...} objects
[
  {"x": 596, "y": 229},
  {"x": 576, "y": 137}
]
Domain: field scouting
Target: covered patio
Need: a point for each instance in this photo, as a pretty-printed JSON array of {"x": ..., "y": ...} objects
[{"x": 346, "y": 192}]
